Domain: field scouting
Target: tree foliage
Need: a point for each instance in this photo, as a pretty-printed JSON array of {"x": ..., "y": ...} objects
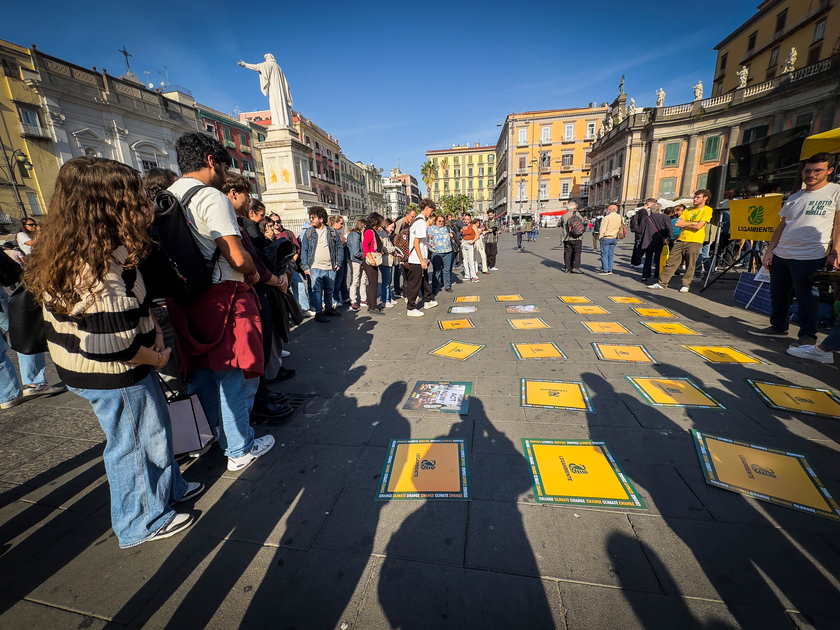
[
  {"x": 429, "y": 173},
  {"x": 455, "y": 204}
]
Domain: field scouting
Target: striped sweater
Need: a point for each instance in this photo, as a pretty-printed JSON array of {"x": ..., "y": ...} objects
[{"x": 91, "y": 346}]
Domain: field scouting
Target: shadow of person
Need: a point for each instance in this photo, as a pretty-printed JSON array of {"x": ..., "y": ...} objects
[{"x": 435, "y": 569}]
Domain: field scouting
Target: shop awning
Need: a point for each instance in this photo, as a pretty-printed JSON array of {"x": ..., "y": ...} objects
[
  {"x": 828, "y": 142},
  {"x": 554, "y": 213}
]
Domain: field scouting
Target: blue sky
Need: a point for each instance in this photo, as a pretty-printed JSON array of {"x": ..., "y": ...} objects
[{"x": 393, "y": 80}]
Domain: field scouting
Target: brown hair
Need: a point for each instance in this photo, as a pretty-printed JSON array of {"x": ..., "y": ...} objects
[
  {"x": 821, "y": 157},
  {"x": 238, "y": 183},
  {"x": 157, "y": 179},
  {"x": 24, "y": 229},
  {"x": 98, "y": 205},
  {"x": 318, "y": 211},
  {"x": 705, "y": 192},
  {"x": 335, "y": 218},
  {"x": 427, "y": 202}
]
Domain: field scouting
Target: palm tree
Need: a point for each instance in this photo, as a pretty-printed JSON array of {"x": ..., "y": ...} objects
[{"x": 429, "y": 173}]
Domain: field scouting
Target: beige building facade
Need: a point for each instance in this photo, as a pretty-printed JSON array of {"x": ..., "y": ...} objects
[{"x": 467, "y": 170}]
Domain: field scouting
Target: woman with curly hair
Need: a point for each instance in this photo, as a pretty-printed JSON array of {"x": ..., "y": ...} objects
[{"x": 104, "y": 341}]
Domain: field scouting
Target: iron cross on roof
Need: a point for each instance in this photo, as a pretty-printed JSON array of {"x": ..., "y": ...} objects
[{"x": 126, "y": 54}]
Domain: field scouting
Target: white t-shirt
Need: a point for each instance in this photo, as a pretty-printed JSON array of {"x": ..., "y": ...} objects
[
  {"x": 418, "y": 230},
  {"x": 809, "y": 221},
  {"x": 211, "y": 215},
  {"x": 22, "y": 238}
]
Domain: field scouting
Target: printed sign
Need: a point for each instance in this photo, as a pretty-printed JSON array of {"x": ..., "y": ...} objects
[
  {"x": 574, "y": 299},
  {"x": 418, "y": 470},
  {"x": 522, "y": 308},
  {"x": 606, "y": 328},
  {"x": 543, "y": 350},
  {"x": 457, "y": 350},
  {"x": 533, "y": 323},
  {"x": 455, "y": 324},
  {"x": 509, "y": 298},
  {"x": 566, "y": 395},
  {"x": 653, "y": 312},
  {"x": 723, "y": 354},
  {"x": 623, "y": 352},
  {"x": 814, "y": 401},
  {"x": 763, "y": 275},
  {"x": 754, "y": 219},
  {"x": 669, "y": 329},
  {"x": 589, "y": 310},
  {"x": 579, "y": 472},
  {"x": 467, "y": 298},
  {"x": 673, "y": 392},
  {"x": 462, "y": 309},
  {"x": 767, "y": 474},
  {"x": 440, "y": 396},
  {"x": 624, "y": 299}
]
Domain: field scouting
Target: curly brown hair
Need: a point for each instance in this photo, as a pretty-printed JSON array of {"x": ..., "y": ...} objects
[{"x": 97, "y": 206}]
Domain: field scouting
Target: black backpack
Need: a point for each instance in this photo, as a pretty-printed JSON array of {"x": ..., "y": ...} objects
[
  {"x": 634, "y": 222},
  {"x": 175, "y": 267},
  {"x": 9, "y": 271},
  {"x": 575, "y": 226}
]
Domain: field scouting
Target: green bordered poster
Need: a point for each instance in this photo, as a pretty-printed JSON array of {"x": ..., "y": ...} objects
[
  {"x": 539, "y": 350},
  {"x": 767, "y": 474},
  {"x": 419, "y": 470},
  {"x": 456, "y": 324},
  {"x": 673, "y": 392},
  {"x": 564, "y": 395},
  {"x": 723, "y": 354},
  {"x": 579, "y": 472},
  {"x": 622, "y": 352},
  {"x": 814, "y": 401},
  {"x": 669, "y": 328},
  {"x": 574, "y": 299},
  {"x": 509, "y": 298},
  {"x": 532, "y": 323},
  {"x": 457, "y": 350}
]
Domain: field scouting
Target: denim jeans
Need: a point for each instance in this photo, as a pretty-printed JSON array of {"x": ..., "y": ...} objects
[
  {"x": 341, "y": 291},
  {"x": 442, "y": 270},
  {"x": 702, "y": 258},
  {"x": 32, "y": 366},
  {"x": 227, "y": 400},
  {"x": 142, "y": 473},
  {"x": 300, "y": 291},
  {"x": 386, "y": 290},
  {"x": 787, "y": 274},
  {"x": 607, "y": 251},
  {"x": 323, "y": 282},
  {"x": 832, "y": 342},
  {"x": 9, "y": 384}
]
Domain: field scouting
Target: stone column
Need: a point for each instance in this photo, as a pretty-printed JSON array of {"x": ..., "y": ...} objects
[
  {"x": 686, "y": 186},
  {"x": 652, "y": 165}
]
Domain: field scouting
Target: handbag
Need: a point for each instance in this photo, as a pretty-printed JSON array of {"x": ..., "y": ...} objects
[
  {"x": 292, "y": 307},
  {"x": 191, "y": 433},
  {"x": 374, "y": 259},
  {"x": 27, "y": 330}
]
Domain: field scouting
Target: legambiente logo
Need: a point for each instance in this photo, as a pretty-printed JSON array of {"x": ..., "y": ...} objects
[
  {"x": 767, "y": 472},
  {"x": 427, "y": 464},
  {"x": 578, "y": 469},
  {"x": 756, "y": 215}
]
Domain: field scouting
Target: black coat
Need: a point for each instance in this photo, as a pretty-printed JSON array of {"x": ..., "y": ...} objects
[{"x": 655, "y": 230}]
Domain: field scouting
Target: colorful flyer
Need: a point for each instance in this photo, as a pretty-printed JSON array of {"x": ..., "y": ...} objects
[
  {"x": 589, "y": 309},
  {"x": 607, "y": 328},
  {"x": 462, "y": 309},
  {"x": 764, "y": 473},
  {"x": 565, "y": 395},
  {"x": 673, "y": 392},
  {"x": 522, "y": 309},
  {"x": 574, "y": 299},
  {"x": 418, "y": 470},
  {"x": 467, "y": 298},
  {"x": 540, "y": 350},
  {"x": 626, "y": 299},
  {"x": 622, "y": 352},
  {"x": 668, "y": 328},
  {"x": 653, "y": 312},
  {"x": 509, "y": 298},
  {"x": 440, "y": 396},
  {"x": 814, "y": 401},
  {"x": 579, "y": 472},
  {"x": 458, "y": 350},
  {"x": 723, "y": 354},
  {"x": 455, "y": 324},
  {"x": 533, "y": 323}
]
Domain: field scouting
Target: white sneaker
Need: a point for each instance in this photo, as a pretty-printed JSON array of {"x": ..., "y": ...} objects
[
  {"x": 393, "y": 302},
  {"x": 683, "y": 289},
  {"x": 42, "y": 390},
  {"x": 430, "y": 304},
  {"x": 261, "y": 447},
  {"x": 415, "y": 313},
  {"x": 493, "y": 269},
  {"x": 176, "y": 526},
  {"x": 655, "y": 285},
  {"x": 813, "y": 353},
  {"x": 309, "y": 313},
  {"x": 637, "y": 266},
  {"x": 284, "y": 354},
  {"x": 389, "y": 304}
]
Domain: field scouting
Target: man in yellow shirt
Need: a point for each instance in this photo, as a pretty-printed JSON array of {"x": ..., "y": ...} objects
[{"x": 693, "y": 223}]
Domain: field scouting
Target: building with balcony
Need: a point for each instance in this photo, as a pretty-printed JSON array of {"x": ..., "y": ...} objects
[
  {"x": 324, "y": 163},
  {"x": 375, "y": 194},
  {"x": 764, "y": 42},
  {"x": 467, "y": 170},
  {"x": 258, "y": 134},
  {"x": 412, "y": 189},
  {"x": 396, "y": 198},
  {"x": 543, "y": 159},
  {"x": 236, "y": 136},
  {"x": 354, "y": 187}
]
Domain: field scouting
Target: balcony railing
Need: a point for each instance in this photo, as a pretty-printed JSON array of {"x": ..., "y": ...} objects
[
  {"x": 230, "y": 144},
  {"x": 33, "y": 131},
  {"x": 589, "y": 136},
  {"x": 811, "y": 70},
  {"x": 566, "y": 168},
  {"x": 761, "y": 87},
  {"x": 251, "y": 174},
  {"x": 716, "y": 101},
  {"x": 233, "y": 169},
  {"x": 568, "y": 138},
  {"x": 675, "y": 110},
  {"x": 245, "y": 148},
  {"x": 545, "y": 140},
  {"x": 545, "y": 169}
]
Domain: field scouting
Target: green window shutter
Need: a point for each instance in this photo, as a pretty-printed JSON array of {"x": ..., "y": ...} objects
[
  {"x": 710, "y": 152},
  {"x": 702, "y": 180},
  {"x": 672, "y": 154}
]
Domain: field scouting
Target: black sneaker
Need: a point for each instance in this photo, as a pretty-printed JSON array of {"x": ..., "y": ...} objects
[
  {"x": 769, "y": 332},
  {"x": 320, "y": 317},
  {"x": 332, "y": 312},
  {"x": 448, "y": 289},
  {"x": 375, "y": 311},
  {"x": 576, "y": 271},
  {"x": 194, "y": 488},
  {"x": 279, "y": 398},
  {"x": 176, "y": 526},
  {"x": 804, "y": 341},
  {"x": 282, "y": 375},
  {"x": 271, "y": 411}
]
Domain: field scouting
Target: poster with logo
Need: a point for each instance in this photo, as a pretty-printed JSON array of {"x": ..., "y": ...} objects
[
  {"x": 574, "y": 299},
  {"x": 653, "y": 312},
  {"x": 814, "y": 401},
  {"x": 419, "y": 470},
  {"x": 763, "y": 275},
  {"x": 622, "y": 352},
  {"x": 663, "y": 328},
  {"x": 457, "y": 350},
  {"x": 754, "y": 219},
  {"x": 455, "y": 324},
  {"x": 767, "y": 474},
  {"x": 466, "y": 298},
  {"x": 534, "y": 323},
  {"x": 723, "y": 354},
  {"x": 673, "y": 392},
  {"x": 607, "y": 328},
  {"x": 440, "y": 397},
  {"x": 522, "y": 309},
  {"x": 509, "y": 298},
  {"x": 462, "y": 309},
  {"x": 579, "y": 472},
  {"x": 542, "y": 350},
  {"x": 588, "y": 309},
  {"x": 565, "y": 395},
  {"x": 626, "y": 299}
]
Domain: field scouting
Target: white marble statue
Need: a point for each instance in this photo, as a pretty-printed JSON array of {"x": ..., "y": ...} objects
[
  {"x": 789, "y": 62},
  {"x": 660, "y": 97},
  {"x": 698, "y": 91},
  {"x": 273, "y": 84},
  {"x": 600, "y": 133},
  {"x": 620, "y": 114},
  {"x": 631, "y": 109},
  {"x": 743, "y": 75},
  {"x": 609, "y": 123}
]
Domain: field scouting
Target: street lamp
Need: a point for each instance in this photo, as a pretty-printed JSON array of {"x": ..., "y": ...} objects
[{"x": 18, "y": 158}]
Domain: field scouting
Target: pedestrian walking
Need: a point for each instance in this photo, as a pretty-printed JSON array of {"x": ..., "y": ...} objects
[
  {"x": 491, "y": 240},
  {"x": 596, "y": 233},
  {"x": 655, "y": 231},
  {"x": 611, "y": 225},
  {"x": 417, "y": 277},
  {"x": 573, "y": 229}
]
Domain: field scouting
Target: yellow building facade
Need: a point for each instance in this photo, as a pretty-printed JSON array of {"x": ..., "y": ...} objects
[
  {"x": 543, "y": 159},
  {"x": 763, "y": 44},
  {"x": 467, "y": 170}
]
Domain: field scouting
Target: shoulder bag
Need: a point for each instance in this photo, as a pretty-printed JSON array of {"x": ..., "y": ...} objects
[{"x": 27, "y": 330}]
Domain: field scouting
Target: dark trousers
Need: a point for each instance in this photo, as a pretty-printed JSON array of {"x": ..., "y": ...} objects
[
  {"x": 399, "y": 272},
  {"x": 341, "y": 292},
  {"x": 417, "y": 279},
  {"x": 572, "y": 254},
  {"x": 636, "y": 257},
  {"x": 652, "y": 256},
  {"x": 490, "y": 250},
  {"x": 519, "y": 240},
  {"x": 372, "y": 274},
  {"x": 798, "y": 276}
]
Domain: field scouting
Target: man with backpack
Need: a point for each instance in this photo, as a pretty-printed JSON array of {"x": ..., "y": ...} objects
[
  {"x": 321, "y": 256},
  {"x": 596, "y": 233},
  {"x": 573, "y": 229}
]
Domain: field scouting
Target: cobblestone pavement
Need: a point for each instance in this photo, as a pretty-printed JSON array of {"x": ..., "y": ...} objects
[{"x": 297, "y": 540}]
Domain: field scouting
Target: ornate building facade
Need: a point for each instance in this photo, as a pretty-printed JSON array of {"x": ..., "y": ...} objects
[{"x": 468, "y": 170}]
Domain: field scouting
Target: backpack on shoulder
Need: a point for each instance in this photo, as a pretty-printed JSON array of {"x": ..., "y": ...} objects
[
  {"x": 575, "y": 226},
  {"x": 402, "y": 245},
  {"x": 634, "y": 223},
  {"x": 9, "y": 271}
]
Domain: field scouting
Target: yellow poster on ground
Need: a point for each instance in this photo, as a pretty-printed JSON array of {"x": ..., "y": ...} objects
[
  {"x": 754, "y": 219},
  {"x": 575, "y": 299},
  {"x": 623, "y": 352},
  {"x": 607, "y": 328},
  {"x": 466, "y": 298},
  {"x": 425, "y": 469},
  {"x": 767, "y": 474},
  {"x": 509, "y": 298},
  {"x": 533, "y": 323},
  {"x": 566, "y": 395},
  {"x": 589, "y": 310},
  {"x": 814, "y": 401},
  {"x": 543, "y": 350},
  {"x": 457, "y": 350},
  {"x": 673, "y": 392},
  {"x": 653, "y": 312},
  {"x": 578, "y": 472},
  {"x": 626, "y": 299},
  {"x": 663, "y": 328},
  {"x": 455, "y": 324},
  {"x": 723, "y": 354}
]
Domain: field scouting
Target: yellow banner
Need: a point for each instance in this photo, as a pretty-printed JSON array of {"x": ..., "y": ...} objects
[
  {"x": 810, "y": 400},
  {"x": 673, "y": 392},
  {"x": 722, "y": 354},
  {"x": 528, "y": 324},
  {"x": 457, "y": 350},
  {"x": 571, "y": 396},
  {"x": 466, "y": 298},
  {"x": 426, "y": 468},
  {"x": 754, "y": 219},
  {"x": 654, "y": 312},
  {"x": 509, "y": 298},
  {"x": 575, "y": 299},
  {"x": 669, "y": 329},
  {"x": 606, "y": 328},
  {"x": 626, "y": 299}
]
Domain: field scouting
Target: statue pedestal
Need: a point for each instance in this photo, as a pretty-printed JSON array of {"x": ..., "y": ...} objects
[{"x": 288, "y": 189}]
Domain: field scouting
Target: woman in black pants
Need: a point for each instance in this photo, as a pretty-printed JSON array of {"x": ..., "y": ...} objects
[
  {"x": 654, "y": 231},
  {"x": 372, "y": 244}
]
